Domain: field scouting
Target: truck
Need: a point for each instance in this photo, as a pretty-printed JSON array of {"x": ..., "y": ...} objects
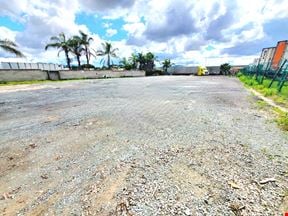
[
  {"x": 190, "y": 70},
  {"x": 202, "y": 70}
]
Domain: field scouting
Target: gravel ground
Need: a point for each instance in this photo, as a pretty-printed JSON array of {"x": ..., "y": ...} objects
[{"x": 140, "y": 146}]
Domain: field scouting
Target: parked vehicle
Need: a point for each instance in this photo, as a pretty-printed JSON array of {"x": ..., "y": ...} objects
[{"x": 202, "y": 71}]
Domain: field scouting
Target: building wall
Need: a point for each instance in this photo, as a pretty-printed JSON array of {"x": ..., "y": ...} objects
[
  {"x": 279, "y": 53},
  {"x": 267, "y": 55}
]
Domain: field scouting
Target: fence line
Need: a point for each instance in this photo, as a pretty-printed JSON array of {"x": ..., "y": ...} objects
[
  {"x": 266, "y": 71},
  {"x": 30, "y": 66}
]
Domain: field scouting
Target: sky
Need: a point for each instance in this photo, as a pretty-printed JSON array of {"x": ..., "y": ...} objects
[{"x": 189, "y": 32}]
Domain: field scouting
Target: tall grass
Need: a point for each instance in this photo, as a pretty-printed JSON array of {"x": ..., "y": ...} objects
[{"x": 280, "y": 98}]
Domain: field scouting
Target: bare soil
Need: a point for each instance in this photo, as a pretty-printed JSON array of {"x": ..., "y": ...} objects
[{"x": 176, "y": 145}]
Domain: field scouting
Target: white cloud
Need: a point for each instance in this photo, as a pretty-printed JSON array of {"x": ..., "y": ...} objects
[
  {"x": 236, "y": 30},
  {"x": 111, "y": 32},
  {"x": 107, "y": 25}
]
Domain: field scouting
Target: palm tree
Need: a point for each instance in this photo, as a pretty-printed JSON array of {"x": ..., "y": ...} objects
[
  {"x": 141, "y": 60},
  {"x": 85, "y": 41},
  {"x": 149, "y": 61},
  {"x": 146, "y": 62},
  {"x": 76, "y": 48},
  {"x": 11, "y": 47},
  {"x": 107, "y": 52},
  {"x": 134, "y": 60},
  {"x": 126, "y": 64},
  {"x": 60, "y": 42},
  {"x": 166, "y": 64}
]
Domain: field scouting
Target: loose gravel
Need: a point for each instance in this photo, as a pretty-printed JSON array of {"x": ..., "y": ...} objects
[{"x": 171, "y": 145}]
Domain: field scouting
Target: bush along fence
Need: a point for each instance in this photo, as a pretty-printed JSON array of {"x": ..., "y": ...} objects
[{"x": 275, "y": 74}]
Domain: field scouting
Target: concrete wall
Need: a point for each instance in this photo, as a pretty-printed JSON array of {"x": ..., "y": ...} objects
[
  {"x": 26, "y": 75},
  {"x": 22, "y": 75},
  {"x": 53, "y": 75},
  {"x": 99, "y": 74}
]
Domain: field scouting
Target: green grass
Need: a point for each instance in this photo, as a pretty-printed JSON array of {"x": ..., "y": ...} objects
[
  {"x": 4, "y": 83},
  {"x": 282, "y": 119},
  {"x": 280, "y": 98}
]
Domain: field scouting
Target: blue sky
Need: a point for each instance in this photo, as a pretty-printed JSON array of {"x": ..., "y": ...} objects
[
  {"x": 8, "y": 22},
  {"x": 189, "y": 32},
  {"x": 98, "y": 25}
]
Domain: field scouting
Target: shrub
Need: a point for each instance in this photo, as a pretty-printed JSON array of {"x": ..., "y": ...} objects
[
  {"x": 239, "y": 74},
  {"x": 269, "y": 92},
  {"x": 225, "y": 69},
  {"x": 87, "y": 66},
  {"x": 283, "y": 121}
]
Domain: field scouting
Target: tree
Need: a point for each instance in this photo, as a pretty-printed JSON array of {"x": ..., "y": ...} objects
[
  {"x": 76, "y": 48},
  {"x": 225, "y": 69},
  {"x": 107, "y": 53},
  {"x": 126, "y": 64},
  {"x": 85, "y": 41},
  {"x": 11, "y": 47},
  {"x": 166, "y": 64},
  {"x": 60, "y": 42},
  {"x": 133, "y": 59},
  {"x": 149, "y": 62},
  {"x": 141, "y": 60}
]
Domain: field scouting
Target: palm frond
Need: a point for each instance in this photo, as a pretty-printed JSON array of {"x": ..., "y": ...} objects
[
  {"x": 7, "y": 43},
  {"x": 55, "y": 38},
  {"x": 12, "y": 50},
  {"x": 100, "y": 53},
  {"x": 53, "y": 45}
]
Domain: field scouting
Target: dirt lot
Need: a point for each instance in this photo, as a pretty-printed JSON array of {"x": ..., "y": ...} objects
[{"x": 140, "y": 146}]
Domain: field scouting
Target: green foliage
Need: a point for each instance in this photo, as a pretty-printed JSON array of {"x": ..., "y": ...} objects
[
  {"x": 133, "y": 61},
  {"x": 108, "y": 53},
  {"x": 87, "y": 66},
  {"x": 85, "y": 41},
  {"x": 278, "y": 97},
  {"x": 76, "y": 45},
  {"x": 239, "y": 74},
  {"x": 283, "y": 121},
  {"x": 76, "y": 48},
  {"x": 268, "y": 92},
  {"x": 262, "y": 104},
  {"x": 166, "y": 64},
  {"x": 60, "y": 42},
  {"x": 6, "y": 83},
  {"x": 126, "y": 64},
  {"x": 146, "y": 62},
  {"x": 225, "y": 69}
]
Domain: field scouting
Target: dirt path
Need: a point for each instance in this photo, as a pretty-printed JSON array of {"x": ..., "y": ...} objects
[{"x": 141, "y": 146}]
